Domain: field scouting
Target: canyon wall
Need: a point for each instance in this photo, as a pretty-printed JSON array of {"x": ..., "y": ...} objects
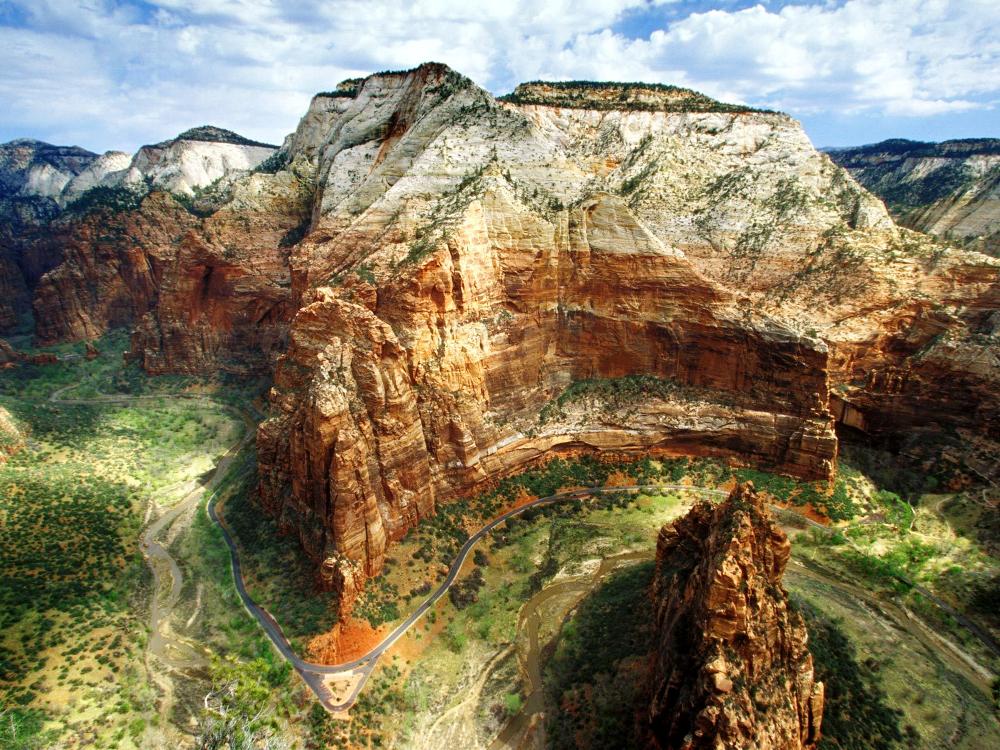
[
  {"x": 949, "y": 189},
  {"x": 425, "y": 268},
  {"x": 90, "y": 240}
]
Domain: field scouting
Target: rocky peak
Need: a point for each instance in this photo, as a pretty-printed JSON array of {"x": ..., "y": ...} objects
[
  {"x": 731, "y": 667},
  {"x": 193, "y": 160},
  {"x": 30, "y": 168}
]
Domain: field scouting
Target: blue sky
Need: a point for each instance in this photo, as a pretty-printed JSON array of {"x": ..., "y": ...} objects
[{"x": 114, "y": 74}]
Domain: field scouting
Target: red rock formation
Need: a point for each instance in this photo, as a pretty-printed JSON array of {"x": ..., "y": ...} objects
[
  {"x": 385, "y": 399},
  {"x": 206, "y": 293},
  {"x": 931, "y": 365},
  {"x": 436, "y": 266},
  {"x": 731, "y": 667}
]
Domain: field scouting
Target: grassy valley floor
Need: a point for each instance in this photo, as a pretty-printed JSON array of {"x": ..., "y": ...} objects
[
  {"x": 541, "y": 619},
  {"x": 105, "y": 452}
]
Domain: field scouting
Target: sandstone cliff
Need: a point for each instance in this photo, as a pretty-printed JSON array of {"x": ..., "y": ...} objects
[
  {"x": 730, "y": 667},
  {"x": 468, "y": 259},
  {"x": 150, "y": 236},
  {"x": 193, "y": 160},
  {"x": 53, "y": 198},
  {"x": 949, "y": 189},
  {"x": 434, "y": 266}
]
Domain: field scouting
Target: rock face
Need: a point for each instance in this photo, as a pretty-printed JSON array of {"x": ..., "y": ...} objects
[
  {"x": 731, "y": 667},
  {"x": 949, "y": 189},
  {"x": 84, "y": 216},
  {"x": 469, "y": 259},
  {"x": 30, "y": 168},
  {"x": 193, "y": 160},
  {"x": 426, "y": 268},
  {"x": 141, "y": 238},
  {"x": 33, "y": 176}
]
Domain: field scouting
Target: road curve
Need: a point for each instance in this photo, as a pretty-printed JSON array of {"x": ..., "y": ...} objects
[{"x": 362, "y": 667}]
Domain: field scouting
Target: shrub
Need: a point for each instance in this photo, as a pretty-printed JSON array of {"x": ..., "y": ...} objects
[
  {"x": 512, "y": 703},
  {"x": 106, "y": 198}
]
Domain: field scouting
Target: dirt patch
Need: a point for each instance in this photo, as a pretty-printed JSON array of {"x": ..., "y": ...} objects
[
  {"x": 422, "y": 635},
  {"x": 347, "y": 640},
  {"x": 619, "y": 479},
  {"x": 808, "y": 511}
]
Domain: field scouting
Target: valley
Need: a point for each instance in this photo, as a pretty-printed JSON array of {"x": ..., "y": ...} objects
[
  {"x": 597, "y": 415},
  {"x": 478, "y": 669}
]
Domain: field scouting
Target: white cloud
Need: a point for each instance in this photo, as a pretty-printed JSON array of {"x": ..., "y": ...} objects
[{"x": 109, "y": 73}]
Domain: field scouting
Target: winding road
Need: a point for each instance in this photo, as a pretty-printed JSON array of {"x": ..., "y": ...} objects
[{"x": 357, "y": 671}]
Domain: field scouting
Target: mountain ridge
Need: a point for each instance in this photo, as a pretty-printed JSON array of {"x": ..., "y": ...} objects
[
  {"x": 949, "y": 189},
  {"x": 424, "y": 268}
]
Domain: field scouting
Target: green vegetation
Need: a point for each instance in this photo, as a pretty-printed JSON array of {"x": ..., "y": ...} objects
[
  {"x": 278, "y": 574},
  {"x": 212, "y": 134},
  {"x": 296, "y": 234},
  {"x": 366, "y": 274},
  {"x": 348, "y": 88},
  {"x": 383, "y": 711},
  {"x": 605, "y": 95},
  {"x": 73, "y": 584},
  {"x": 203, "y": 201},
  {"x": 618, "y": 393},
  {"x": 273, "y": 164},
  {"x": 856, "y": 715},
  {"x": 102, "y": 198},
  {"x": 595, "y": 678},
  {"x": 23, "y": 729},
  {"x": 250, "y": 703},
  {"x": 436, "y": 541},
  {"x": 776, "y": 213}
]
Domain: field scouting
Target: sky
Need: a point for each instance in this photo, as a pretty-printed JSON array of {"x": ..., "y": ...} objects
[{"x": 115, "y": 74}]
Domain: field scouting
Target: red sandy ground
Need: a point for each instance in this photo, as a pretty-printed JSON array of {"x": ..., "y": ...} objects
[{"x": 347, "y": 640}]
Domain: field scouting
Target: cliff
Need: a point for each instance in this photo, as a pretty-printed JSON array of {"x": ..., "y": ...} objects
[
  {"x": 730, "y": 666},
  {"x": 426, "y": 268},
  {"x": 33, "y": 175},
  {"x": 950, "y": 189}
]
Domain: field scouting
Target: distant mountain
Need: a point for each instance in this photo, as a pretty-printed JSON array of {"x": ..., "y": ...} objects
[
  {"x": 30, "y": 167},
  {"x": 40, "y": 182},
  {"x": 212, "y": 134},
  {"x": 949, "y": 189}
]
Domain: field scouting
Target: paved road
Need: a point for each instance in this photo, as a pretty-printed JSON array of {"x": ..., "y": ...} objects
[{"x": 360, "y": 669}]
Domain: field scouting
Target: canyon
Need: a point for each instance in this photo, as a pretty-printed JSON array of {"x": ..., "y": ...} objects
[{"x": 424, "y": 268}]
